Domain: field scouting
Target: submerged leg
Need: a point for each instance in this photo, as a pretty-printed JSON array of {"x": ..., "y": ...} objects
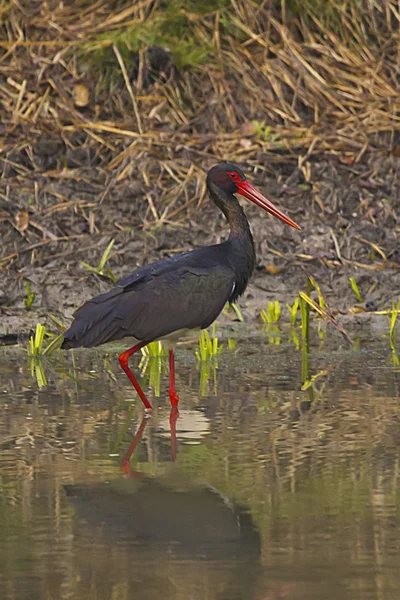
[
  {"x": 125, "y": 465},
  {"x": 173, "y": 417},
  {"x": 173, "y": 396},
  {"x": 123, "y": 361}
]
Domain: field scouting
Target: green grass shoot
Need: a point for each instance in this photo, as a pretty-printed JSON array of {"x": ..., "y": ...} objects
[
  {"x": 152, "y": 365},
  {"x": 101, "y": 268},
  {"x": 206, "y": 347},
  {"x": 237, "y": 312},
  {"x": 151, "y": 368},
  {"x": 206, "y": 368},
  {"x": 30, "y": 296},
  {"x": 309, "y": 382},
  {"x": 293, "y": 310},
  {"x": 263, "y": 132},
  {"x": 54, "y": 344},
  {"x": 37, "y": 370},
  {"x": 37, "y": 346},
  {"x": 38, "y": 349},
  {"x": 272, "y": 314},
  {"x": 355, "y": 289},
  {"x": 235, "y": 309},
  {"x": 306, "y": 302},
  {"x": 209, "y": 347},
  {"x": 305, "y": 318},
  {"x": 392, "y": 323},
  {"x": 309, "y": 302},
  {"x": 322, "y": 302},
  {"x": 274, "y": 337},
  {"x": 36, "y": 341},
  {"x": 295, "y": 338},
  {"x": 154, "y": 350}
]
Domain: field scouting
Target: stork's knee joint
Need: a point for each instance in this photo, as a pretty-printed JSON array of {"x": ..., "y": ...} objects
[{"x": 123, "y": 360}]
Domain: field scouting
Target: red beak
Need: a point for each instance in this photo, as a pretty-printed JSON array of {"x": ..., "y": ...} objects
[{"x": 251, "y": 193}]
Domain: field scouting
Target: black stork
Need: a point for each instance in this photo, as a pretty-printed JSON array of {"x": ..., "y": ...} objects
[{"x": 164, "y": 299}]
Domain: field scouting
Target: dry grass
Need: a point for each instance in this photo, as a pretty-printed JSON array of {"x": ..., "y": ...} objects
[
  {"x": 326, "y": 82},
  {"x": 240, "y": 80}
]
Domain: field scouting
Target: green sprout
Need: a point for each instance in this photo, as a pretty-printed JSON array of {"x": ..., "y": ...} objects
[
  {"x": 305, "y": 338},
  {"x": 38, "y": 349},
  {"x": 392, "y": 324},
  {"x": 30, "y": 296},
  {"x": 36, "y": 342},
  {"x": 237, "y": 312},
  {"x": 101, "y": 268},
  {"x": 393, "y": 318},
  {"x": 273, "y": 314},
  {"x": 295, "y": 338},
  {"x": 306, "y": 302},
  {"x": 154, "y": 350},
  {"x": 37, "y": 371},
  {"x": 152, "y": 365},
  {"x": 321, "y": 300},
  {"x": 355, "y": 289},
  {"x": 209, "y": 347},
  {"x": 205, "y": 368},
  {"x": 263, "y": 131},
  {"x": 293, "y": 310},
  {"x": 308, "y": 383},
  {"x": 37, "y": 346},
  {"x": 305, "y": 319},
  {"x": 235, "y": 309},
  {"x": 271, "y": 317},
  {"x": 231, "y": 344}
]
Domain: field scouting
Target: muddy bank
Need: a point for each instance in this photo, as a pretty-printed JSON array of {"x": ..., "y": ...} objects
[{"x": 53, "y": 220}]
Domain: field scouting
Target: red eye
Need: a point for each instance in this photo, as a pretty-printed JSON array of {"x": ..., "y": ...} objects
[{"x": 234, "y": 176}]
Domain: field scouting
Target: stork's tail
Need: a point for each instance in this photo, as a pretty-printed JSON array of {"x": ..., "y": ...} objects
[{"x": 95, "y": 323}]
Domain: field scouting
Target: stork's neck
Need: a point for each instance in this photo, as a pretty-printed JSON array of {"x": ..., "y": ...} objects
[
  {"x": 242, "y": 252},
  {"x": 233, "y": 212}
]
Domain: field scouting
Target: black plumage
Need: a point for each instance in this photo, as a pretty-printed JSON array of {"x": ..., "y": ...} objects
[{"x": 184, "y": 292}]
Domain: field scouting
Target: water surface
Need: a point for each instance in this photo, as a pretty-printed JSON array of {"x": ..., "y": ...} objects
[{"x": 265, "y": 491}]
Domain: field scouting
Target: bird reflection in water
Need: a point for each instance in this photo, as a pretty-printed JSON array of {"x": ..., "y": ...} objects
[{"x": 185, "y": 529}]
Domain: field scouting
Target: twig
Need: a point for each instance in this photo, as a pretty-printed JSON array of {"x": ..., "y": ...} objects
[{"x": 129, "y": 87}]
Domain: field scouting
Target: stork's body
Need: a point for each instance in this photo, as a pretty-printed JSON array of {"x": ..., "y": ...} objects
[{"x": 184, "y": 292}]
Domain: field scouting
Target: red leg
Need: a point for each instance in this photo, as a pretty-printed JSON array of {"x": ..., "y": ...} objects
[
  {"x": 173, "y": 396},
  {"x": 125, "y": 466},
  {"x": 173, "y": 417},
  {"x": 123, "y": 361}
]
